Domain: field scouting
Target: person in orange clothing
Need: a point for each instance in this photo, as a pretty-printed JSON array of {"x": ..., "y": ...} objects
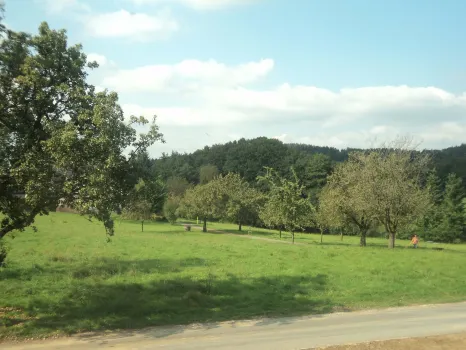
[{"x": 415, "y": 241}]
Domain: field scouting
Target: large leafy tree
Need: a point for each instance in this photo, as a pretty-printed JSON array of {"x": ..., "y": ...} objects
[
  {"x": 342, "y": 203},
  {"x": 60, "y": 140},
  {"x": 286, "y": 204},
  {"x": 391, "y": 183}
]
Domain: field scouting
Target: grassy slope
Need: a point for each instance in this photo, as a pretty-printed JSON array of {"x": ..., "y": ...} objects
[{"x": 66, "y": 278}]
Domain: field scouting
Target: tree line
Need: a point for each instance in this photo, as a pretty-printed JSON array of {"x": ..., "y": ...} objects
[
  {"x": 393, "y": 190},
  {"x": 250, "y": 157}
]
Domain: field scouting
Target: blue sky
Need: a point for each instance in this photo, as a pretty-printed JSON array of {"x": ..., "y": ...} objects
[{"x": 335, "y": 72}]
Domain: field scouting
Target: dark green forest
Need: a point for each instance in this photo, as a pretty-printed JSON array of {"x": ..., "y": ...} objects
[{"x": 249, "y": 157}]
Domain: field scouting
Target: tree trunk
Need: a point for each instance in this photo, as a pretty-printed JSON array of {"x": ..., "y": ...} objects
[
  {"x": 240, "y": 227},
  {"x": 341, "y": 235},
  {"x": 362, "y": 241},
  {"x": 292, "y": 235},
  {"x": 321, "y": 235},
  {"x": 280, "y": 233},
  {"x": 6, "y": 230},
  {"x": 391, "y": 240},
  {"x": 204, "y": 226},
  {"x": 142, "y": 226}
]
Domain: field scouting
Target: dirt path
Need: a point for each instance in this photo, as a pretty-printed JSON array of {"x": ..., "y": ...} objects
[
  {"x": 312, "y": 332},
  {"x": 271, "y": 240},
  {"x": 261, "y": 238}
]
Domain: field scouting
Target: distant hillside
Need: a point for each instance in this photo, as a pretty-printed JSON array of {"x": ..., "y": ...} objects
[{"x": 249, "y": 157}]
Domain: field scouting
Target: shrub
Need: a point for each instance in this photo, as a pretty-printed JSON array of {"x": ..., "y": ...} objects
[{"x": 170, "y": 209}]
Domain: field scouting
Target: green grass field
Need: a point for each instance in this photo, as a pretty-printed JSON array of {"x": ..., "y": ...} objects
[
  {"x": 316, "y": 238},
  {"x": 66, "y": 278}
]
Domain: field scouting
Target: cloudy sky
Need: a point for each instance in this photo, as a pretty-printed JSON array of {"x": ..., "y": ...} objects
[{"x": 342, "y": 73}]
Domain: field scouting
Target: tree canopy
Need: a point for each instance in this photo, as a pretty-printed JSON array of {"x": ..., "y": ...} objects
[
  {"x": 60, "y": 139},
  {"x": 286, "y": 205},
  {"x": 342, "y": 202},
  {"x": 390, "y": 181},
  {"x": 249, "y": 157},
  {"x": 242, "y": 202},
  {"x": 202, "y": 201}
]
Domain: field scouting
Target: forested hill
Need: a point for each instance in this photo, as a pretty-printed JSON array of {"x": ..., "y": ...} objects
[{"x": 249, "y": 157}]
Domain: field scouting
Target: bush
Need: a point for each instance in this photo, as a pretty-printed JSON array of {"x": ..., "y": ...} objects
[{"x": 170, "y": 209}]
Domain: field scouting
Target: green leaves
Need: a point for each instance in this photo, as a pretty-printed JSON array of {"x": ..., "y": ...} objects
[
  {"x": 241, "y": 202},
  {"x": 382, "y": 185},
  {"x": 60, "y": 139},
  {"x": 286, "y": 206}
]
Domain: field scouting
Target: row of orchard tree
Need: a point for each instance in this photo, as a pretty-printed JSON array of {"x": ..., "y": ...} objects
[{"x": 392, "y": 187}]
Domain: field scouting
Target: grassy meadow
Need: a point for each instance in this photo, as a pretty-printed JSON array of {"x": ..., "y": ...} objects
[{"x": 66, "y": 278}]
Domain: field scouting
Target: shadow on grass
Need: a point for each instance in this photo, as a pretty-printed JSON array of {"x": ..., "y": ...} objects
[
  {"x": 98, "y": 307},
  {"x": 102, "y": 268}
]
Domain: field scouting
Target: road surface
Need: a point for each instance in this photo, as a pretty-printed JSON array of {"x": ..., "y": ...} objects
[{"x": 275, "y": 334}]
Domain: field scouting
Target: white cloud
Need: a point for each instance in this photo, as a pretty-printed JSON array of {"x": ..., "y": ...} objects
[
  {"x": 187, "y": 75},
  {"x": 210, "y": 94},
  {"x": 187, "y": 116},
  {"x": 117, "y": 24},
  {"x": 446, "y": 133},
  {"x": 282, "y": 137},
  {"x": 137, "y": 26},
  {"x": 95, "y": 57},
  {"x": 198, "y": 4},
  {"x": 60, "y": 6}
]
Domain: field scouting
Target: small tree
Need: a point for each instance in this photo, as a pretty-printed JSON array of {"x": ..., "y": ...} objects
[
  {"x": 170, "y": 209},
  {"x": 342, "y": 203},
  {"x": 139, "y": 210},
  {"x": 143, "y": 200},
  {"x": 241, "y": 202},
  {"x": 286, "y": 203},
  {"x": 202, "y": 201},
  {"x": 271, "y": 216}
]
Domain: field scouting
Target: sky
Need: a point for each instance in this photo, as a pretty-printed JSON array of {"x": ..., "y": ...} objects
[{"x": 341, "y": 73}]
